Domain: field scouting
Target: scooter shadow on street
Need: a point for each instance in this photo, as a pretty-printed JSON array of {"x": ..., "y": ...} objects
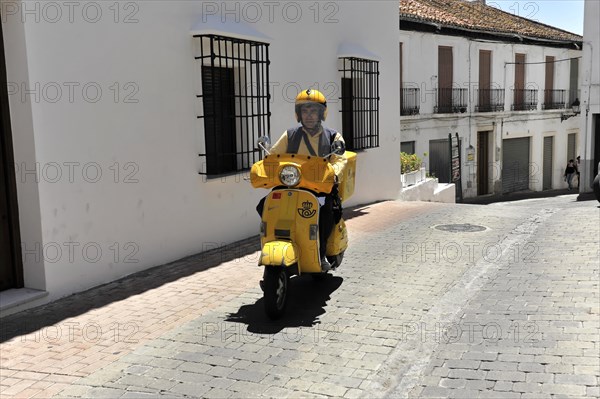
[{"x": 307, "y": 299}]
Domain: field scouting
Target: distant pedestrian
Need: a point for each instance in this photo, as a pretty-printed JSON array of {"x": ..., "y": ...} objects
[
  {"x": 569, "y": 173},
  {"x": 577, "y": 166}
]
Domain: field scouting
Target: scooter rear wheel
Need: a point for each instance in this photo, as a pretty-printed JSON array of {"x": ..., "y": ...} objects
[{"x": 275, "y": 292}]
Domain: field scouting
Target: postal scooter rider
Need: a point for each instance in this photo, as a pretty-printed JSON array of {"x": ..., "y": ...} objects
[{"x": 310, "y": 137}]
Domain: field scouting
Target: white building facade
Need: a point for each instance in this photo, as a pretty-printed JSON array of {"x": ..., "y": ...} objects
[
  {"x": 126, "y": 152},
  {"x": 590, "y": 93},
  {"x": 506, "y": 97}
]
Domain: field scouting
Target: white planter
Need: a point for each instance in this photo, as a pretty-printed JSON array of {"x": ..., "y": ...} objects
[
  {"x": 411, "y": 178},
  {"x": 414, "y": 177}
]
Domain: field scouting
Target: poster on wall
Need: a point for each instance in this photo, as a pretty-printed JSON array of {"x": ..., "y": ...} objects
[{"x": 455, "y": 165}]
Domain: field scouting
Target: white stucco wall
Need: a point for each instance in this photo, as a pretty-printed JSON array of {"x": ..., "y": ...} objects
[
  {"x": 150, "y": 206},
  {"x": 420, "y": 69},
  {"x": 590, "y": 104}
]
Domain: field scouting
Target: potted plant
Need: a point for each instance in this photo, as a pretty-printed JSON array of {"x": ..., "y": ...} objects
[{"x": 410, "y": 169}]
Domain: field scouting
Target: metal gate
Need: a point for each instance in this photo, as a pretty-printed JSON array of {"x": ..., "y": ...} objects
[
  {"x": 547, "y": 167},
  {"x": 515, "y": 164},
  {"x": 439, "y": 160}
]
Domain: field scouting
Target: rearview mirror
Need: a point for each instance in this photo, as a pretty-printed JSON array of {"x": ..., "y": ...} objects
[
  {"x": 338, "y": 147},
  {"x": 264, "y": 141}
]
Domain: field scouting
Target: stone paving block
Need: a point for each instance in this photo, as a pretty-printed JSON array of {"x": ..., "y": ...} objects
[
  {"x": 218, "y": 393},
  {"x": 499, "y": 394},
  {"x": 462, "y": 364},
  {"x": 275, "y": 380},
  {"x": 575, "y": 379},
  {"x": 298, "y": 384},
  {"x": 527, "y": 387},
  {"x": 564, "y": 389},
  {"x": 325, "y": 388},
  {"x": 452, "y": 383},
  {"x": 503, "y": 386},
  {"x": 467, "y": 374},
  {"x": 479, "y": 385},
  {"x": 364, "y": 374},
  {"x": 480, "y": 356},
  {"x": 499, "y": 366},
  {"x": 286, "y": 371},
  {"x": 435, "y": 392},
  {"x": 247, "y": 388},
  {"x": 199, "y": 368},
  {"x": 592, "y": 370},
  {"x": 506, "y": 376},
  {"x": 539, "y": 377},
  {"x": 190, "y": 389},
  {"x": 142, "y": 395},
  {"x": 146, "y": 382},
  {"x": 531, "y": 367},
  {"x": 353, "y": 393},
  {"x": 593, "y": 392},
  {"x": 559, "y": 368},
  {"x": 537, "y": 395},
  {"x": 363, "y": 364},
  {"x": 509, "y": 357},
  {"x": 247, "y": 375},
  {"x": 344, "y": 381}
]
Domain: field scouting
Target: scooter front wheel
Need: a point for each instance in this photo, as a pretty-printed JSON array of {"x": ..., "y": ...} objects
[{"x": 275, "y": 291}]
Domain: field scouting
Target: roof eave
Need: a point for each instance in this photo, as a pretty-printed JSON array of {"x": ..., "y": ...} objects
[{"x": 500, "y": 35}]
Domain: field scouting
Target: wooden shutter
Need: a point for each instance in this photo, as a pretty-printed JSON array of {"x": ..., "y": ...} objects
[
  {"x": 445, "y": 78},
  {"x": 573, "y": 80},
  {"x": 519, "y": 79},
  {"x": 548, "y": 98},
  {"x": 485, "y": 77}
]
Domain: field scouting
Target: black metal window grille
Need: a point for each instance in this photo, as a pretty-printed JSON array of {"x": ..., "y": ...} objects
[
  {"x": 451, "y": 101},
  {"x": 555, "y": 99},
  {"x": 410, "y": 101},
  {"x": 490, "y": 100},
  {"x": 360, "y": 102},
  {"x": 525, "y": 99},
  {"x": 233, "y": 102}
]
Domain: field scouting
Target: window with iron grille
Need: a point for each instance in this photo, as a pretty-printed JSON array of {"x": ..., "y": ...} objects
[
  {"x": 360, "y": 103},
  {"x": 233, "y": 102}
]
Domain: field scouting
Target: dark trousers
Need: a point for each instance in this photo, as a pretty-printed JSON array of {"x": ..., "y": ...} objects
[{"x": 326, "y": 221}]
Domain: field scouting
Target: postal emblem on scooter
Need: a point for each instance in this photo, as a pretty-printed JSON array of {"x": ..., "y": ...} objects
[{"x": 306, "y": 211}]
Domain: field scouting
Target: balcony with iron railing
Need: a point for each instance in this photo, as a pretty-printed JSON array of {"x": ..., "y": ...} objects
[
  {"x": 451, "y": 101},
  {"x": 525, "y": 100},
  {"x": 409, "y": 104},
  {"x": 490, "y": 100},
  {"x": 555, "y": 99}
]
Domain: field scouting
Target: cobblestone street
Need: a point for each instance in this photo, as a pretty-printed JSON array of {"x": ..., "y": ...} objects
[{"x": 504, "y": 304}]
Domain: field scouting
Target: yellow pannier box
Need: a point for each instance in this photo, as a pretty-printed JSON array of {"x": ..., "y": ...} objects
[{"x": 346, "y": 187}]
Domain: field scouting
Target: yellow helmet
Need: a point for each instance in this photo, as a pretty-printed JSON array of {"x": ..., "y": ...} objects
[{"x": 311, "y": 96}]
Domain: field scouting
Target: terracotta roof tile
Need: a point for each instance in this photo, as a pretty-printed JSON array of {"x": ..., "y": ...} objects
[{"x": 477, "y": 16}]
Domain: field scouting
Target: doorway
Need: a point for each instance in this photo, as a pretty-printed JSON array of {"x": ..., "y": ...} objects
[
  {"x": 11, "y": 267},
  {"x": 483, "y": 162}
]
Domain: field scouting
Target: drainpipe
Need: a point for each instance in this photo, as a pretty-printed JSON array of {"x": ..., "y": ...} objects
[{"x": 587, "y": 166}]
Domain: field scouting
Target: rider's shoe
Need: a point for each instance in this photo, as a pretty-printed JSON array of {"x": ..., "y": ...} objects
[{"x": 325, "y": 265}]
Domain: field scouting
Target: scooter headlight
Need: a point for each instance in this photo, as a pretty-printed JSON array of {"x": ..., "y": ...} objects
[{"x": 289, "y": 175}]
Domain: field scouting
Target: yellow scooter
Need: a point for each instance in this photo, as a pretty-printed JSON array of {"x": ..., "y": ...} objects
[{"x": 289, "y": 227}]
